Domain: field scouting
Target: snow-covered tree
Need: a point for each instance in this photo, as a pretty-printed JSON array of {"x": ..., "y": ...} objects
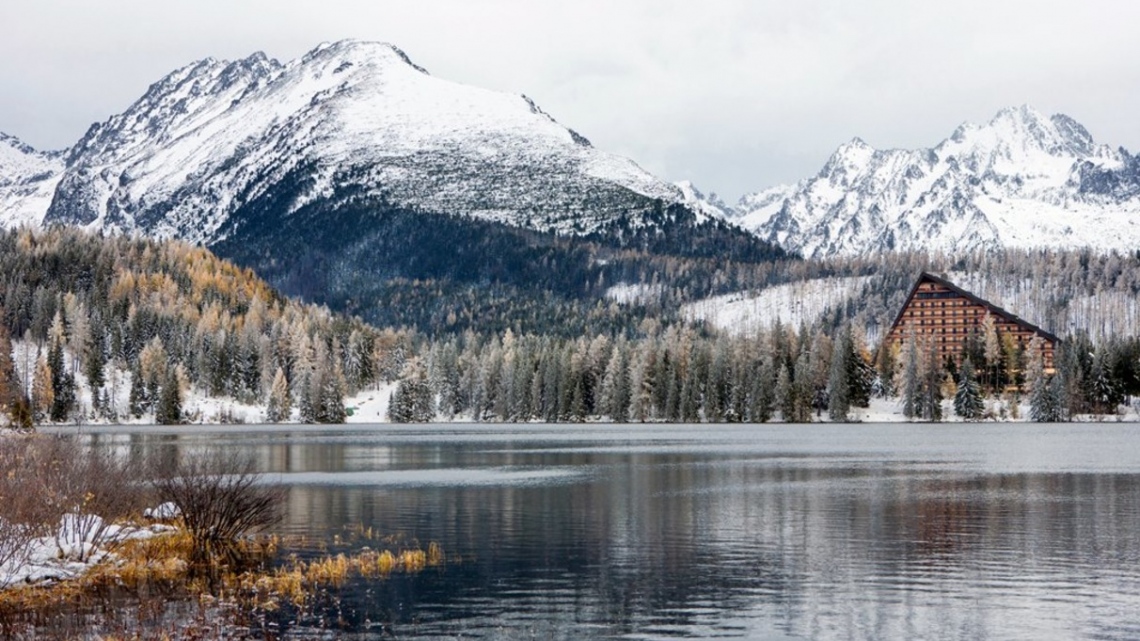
[
  {"x": 910, "y": 385},
  {"x": 968, "y": 402},
  {"x": 280, "y": 403}
]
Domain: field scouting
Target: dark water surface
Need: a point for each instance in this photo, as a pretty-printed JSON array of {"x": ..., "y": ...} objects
[{"x": 768, "y": 532}]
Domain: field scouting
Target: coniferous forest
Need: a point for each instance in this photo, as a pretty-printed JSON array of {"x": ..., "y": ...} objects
[
  {"x": 121, "y": 329},
  {"x": 81, "y": 308}
]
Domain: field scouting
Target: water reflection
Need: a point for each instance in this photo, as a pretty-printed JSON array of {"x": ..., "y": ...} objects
[{"x": 865, "y": 532}]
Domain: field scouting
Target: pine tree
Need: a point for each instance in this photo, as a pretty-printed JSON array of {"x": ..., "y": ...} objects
[
  {"x": 1043, "y": 407},
  {"x": 931, "y": 404},
  {"x": 614, "y": 392},
  {"x": 911, "y": 385},
  {"x": 137, "y": 397},
  {"x": 993, "y": 349},
  {"x": 803, "y": 386},
  {"x": 763, "y": 392},
  {"x": 860, "y": 373},
  {"x": 13, "y": 405},
  {"x": 280, "y": 403},
  {"x": 886, "y": 363},
  {"x": 412, "y": 402},
  {"x": 95, "y": 363},
  {"x": 838, "y": 403},
  {"x": 331, "y": 408},
  {"x": 785, "y": 395},
  {"x": 1103, "y": 393},
  {"x": 306, "y": 408},
  {"x": 62, "y": 384},
  {"x": 968, "y": 402},
  {"x": 169, "y": 409}
]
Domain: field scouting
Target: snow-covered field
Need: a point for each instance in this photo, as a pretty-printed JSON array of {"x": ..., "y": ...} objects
[
  {"x": 370, "y": 406},
  {"x": 791, "y": 304}
]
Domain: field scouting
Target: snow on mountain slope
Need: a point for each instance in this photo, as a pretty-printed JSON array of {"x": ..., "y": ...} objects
[
  {"x": 1021, "y": 180},
  {"x": 744, "y": 313},
  {"x": 352, "y": 118},
  {"x": 27, "y": 181},
  {"x": 707, "y": 206}
]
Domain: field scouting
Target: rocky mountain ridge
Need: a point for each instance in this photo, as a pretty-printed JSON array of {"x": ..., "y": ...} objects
[
  {"x": 216, "y": 139},
  {"x": 1021, "y": 180}
]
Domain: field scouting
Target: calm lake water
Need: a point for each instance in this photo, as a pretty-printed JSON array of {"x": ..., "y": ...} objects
[{"x": 756, "y": 532}]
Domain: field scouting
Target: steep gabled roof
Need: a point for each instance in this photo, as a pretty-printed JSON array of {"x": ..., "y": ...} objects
[{"x": 927, "y": 277}]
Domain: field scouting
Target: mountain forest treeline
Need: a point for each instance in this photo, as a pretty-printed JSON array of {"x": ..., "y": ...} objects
[
  {"x": 679, "y": 374},
  {"x": 120, "y": 328},
  {"x": 445, "y": 274},
  {"x": 141, "y": 323}
]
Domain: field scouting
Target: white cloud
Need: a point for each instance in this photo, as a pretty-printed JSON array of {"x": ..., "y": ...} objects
[{"x": 734, "y": 94}]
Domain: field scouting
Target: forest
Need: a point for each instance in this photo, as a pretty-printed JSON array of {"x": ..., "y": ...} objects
[
  {"x": 119, "y": 328},
  {"x": 114, "y": 329}
]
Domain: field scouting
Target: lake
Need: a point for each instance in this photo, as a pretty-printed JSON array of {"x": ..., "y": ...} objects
[{"x": 902, "y": 531}]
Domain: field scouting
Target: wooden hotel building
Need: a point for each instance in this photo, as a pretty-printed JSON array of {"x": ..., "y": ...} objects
[{"x": 938, "y": 309}]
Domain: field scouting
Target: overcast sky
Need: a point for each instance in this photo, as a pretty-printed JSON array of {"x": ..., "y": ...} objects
[{"x": 736, "y": 95}]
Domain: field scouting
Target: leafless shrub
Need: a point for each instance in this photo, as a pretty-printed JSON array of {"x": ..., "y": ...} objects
[
  {"x": 222, "y": 499},
  {"x": 52, "y": 486},
  {"x": 86, "y": 492},
  {"x": 22, "y": 514}
]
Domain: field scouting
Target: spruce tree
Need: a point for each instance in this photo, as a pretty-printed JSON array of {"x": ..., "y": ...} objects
[
  {"x": 838, "y": 403},
  {"x": 280, "y": 404},
  {"x": 762, "y": 393},
  {"x": 1103, "y": 392},
  {"x": 803, "y": 384},
  {"x": 137, "y": 397},
  {"x": 14, "y": 402},
  {"x": 95, "y": 364},
  {"x": 785, "y": 395},
  {"x": 169, "y": 408},
  {"x": 931, "y": 404},
  {"x": 62, "y": 385},
  {"x": 911, "y": 385},
  {"x": 331, "y": 408},
  {"x": 968, "y": 402}
]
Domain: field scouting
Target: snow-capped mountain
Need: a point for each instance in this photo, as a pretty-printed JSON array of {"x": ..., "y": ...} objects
[
  {"x": 27, "y": 182},
  {"x": 348, "y": 120},
  {"x": 1021, "y": 180},
  {"x": 706, "y": 205}
]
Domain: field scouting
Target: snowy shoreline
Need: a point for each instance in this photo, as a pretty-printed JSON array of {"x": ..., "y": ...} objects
[{"x": 81, "y": 542}]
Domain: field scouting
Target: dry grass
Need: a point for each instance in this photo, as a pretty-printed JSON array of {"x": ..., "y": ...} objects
[
  {"x": 156, "y": 571},
  {"x": 215, "y": 583}
]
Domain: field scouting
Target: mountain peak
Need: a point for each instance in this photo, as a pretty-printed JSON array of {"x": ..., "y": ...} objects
[
  {"x": 217, "y": 142},
  {"x": 351, "y": 51},
  {"x": 1021, "y": 179},
  {"x": 16, "y": 144},
  {"x": 851, "y": 155},
  {"x": 1026, "y": 127}
]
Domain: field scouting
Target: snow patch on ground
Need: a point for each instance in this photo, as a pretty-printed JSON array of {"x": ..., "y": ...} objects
[
  {"x": 635, "y": 294},
  {"x": 791, "y": 304},
  {"x": 80, "y": 543},
  {"x": 370, "y": 406}
]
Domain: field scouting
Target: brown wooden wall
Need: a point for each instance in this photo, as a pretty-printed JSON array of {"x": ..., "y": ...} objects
[{"x": 946, "y": 315}]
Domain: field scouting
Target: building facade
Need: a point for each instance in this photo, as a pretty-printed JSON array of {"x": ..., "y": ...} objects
[{"x": 938, "y": 310}]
